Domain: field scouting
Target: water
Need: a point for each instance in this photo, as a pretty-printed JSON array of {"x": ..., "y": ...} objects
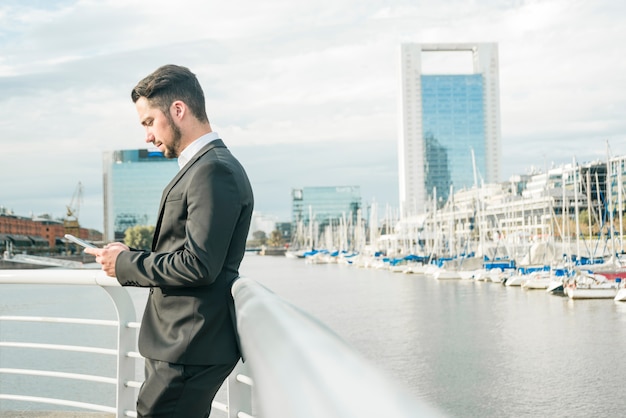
[{"x": 472, "y": 349}]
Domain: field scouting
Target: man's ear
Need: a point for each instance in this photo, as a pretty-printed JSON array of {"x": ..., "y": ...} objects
[{"x": 178, "y": 109}]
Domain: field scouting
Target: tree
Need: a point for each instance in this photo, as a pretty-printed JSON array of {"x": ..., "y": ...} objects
[
  {"x": 276, "y": 239},
  {"x": 259, "y": 238},
  {"x": 139, "y": 237}
]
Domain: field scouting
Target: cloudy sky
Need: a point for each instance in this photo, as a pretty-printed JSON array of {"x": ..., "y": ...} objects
[{"x": 305, "y": 92}]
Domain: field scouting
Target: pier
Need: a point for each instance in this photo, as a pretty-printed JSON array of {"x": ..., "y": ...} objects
[{"x": 295, "y": 366}]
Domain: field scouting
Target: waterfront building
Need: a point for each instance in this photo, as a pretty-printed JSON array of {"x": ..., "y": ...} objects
[
  {"x": 285, "y": 231},
  {"x": 321, "y": 209},
  {"x": 133, "y": 184},
  {"x": 563, "y": 210},
  {"x": 616, "y": 183},
  {"x": 40, "y": 234},
  {"x": 449, "y": 127}
]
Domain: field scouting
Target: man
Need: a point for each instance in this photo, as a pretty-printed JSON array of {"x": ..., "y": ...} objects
[{"x": 187, "y": 334}]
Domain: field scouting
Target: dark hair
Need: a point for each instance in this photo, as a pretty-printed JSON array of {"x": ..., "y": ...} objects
[{"x": 168, "y": 84}]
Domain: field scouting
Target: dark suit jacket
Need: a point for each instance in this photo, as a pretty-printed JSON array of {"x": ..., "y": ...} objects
[{"x": 199, "y": 242}]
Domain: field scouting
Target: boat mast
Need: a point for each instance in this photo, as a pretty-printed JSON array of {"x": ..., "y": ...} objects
[
  {"x": 588, "y": 181},
  {"x": 576, "y": 208},
  {"x": 478, "y": 221},
  {"x": 434, "y": 231},
  {"x": 311, "y": 242},
  {"x": 607, "y": 188},
  {"x": 618, "y": 168},
  {"x": 600, "y": 205},
  {"x": 565, "y": 212},
  {"x": 452, "y": 239}
]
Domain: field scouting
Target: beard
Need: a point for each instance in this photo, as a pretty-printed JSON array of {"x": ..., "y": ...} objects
[{"x": 172, "y": 150}]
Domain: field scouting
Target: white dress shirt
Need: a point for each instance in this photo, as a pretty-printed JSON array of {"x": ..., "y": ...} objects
[{"x": 192, "y": 149}]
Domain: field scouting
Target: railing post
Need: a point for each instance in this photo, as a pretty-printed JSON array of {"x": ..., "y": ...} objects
[
  {"x": 126, "y": 338},
  {"x": 239, "y": 393}
]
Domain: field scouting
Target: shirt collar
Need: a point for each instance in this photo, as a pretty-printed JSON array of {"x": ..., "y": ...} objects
[{"x": 192, "y": 149}]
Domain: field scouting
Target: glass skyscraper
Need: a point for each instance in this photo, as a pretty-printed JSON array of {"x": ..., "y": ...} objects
[
  {"x": 326, "y": 205},
  {"x": 450, "y": 126},
  {"x": 133, "y": 184}
]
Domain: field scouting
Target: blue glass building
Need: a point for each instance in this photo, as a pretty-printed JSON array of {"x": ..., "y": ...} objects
[
  {"x": 133, "y": 184},
  {"x": 326, "y": 205},
  {"x": 453, "y": 125},
  {"x": 450, "y": 126}
]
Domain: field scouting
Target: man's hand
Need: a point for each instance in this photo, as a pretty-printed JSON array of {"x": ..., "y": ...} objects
[{"x": 107, "y": 256}]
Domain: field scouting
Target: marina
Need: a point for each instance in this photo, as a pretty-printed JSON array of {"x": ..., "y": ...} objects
[
  {"x": 470, "y": 348},
  {"x": 505, "y": 299},
  {"x": 559, "y": 229},
  {"x": 431, "y": 211},
  {"x": 503, "y": 290}
]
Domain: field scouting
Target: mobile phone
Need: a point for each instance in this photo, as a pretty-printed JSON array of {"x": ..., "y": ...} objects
[{"x": 79, "y": 241}]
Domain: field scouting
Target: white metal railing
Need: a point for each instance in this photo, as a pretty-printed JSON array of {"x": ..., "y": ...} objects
[
  {"x": 299, "y": 367},
  {"x": 302, "y": 369},
  {"x": 125, "y": 381}
]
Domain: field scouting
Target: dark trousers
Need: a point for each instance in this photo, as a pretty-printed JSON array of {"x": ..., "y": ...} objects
[{"x": 178, "y": 390}]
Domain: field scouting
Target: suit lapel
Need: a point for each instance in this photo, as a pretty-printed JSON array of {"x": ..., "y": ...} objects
[{"x": 166, "y": 191}]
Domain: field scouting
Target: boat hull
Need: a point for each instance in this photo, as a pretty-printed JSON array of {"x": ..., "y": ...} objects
[
  {"x": 447, "y": 275},
  {"x": 591, "y": 292},
  {"x": 621, "y": 295}
]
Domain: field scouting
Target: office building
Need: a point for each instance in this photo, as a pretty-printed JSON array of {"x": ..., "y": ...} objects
[
  {"x": 315, "y": 208},
  {"x": 450, "y": 126},
  {"x": 133, "y": 184}
]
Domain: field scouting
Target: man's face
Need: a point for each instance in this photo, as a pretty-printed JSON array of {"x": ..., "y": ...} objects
[{"x": 161, "y": 130}]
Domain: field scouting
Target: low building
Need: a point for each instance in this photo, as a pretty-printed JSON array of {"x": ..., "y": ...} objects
[{"x": 38, "y": 234}]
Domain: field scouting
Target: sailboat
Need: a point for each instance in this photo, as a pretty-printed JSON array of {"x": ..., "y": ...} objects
[{"x": 587, "y": 285}]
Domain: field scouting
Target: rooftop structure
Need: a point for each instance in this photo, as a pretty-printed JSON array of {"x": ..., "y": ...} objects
[{"x": 450, "y": 125}]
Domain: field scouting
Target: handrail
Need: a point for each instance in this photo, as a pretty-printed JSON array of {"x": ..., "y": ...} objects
[
  {"x": 297, "y": 366},
  {"x": 58, "y": 276},
  {"x": 302, "y": 369},
  {"x": 125, "y": 344},
  {"x": 238, "y": 388}
]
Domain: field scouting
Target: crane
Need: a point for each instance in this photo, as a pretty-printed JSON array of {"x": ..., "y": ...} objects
[{"x": 70, "y": 223}]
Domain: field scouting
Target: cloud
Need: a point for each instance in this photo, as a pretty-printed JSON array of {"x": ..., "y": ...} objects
[
  {"x": 311, "y": 82},
  {"x": 276, "y": 169}
]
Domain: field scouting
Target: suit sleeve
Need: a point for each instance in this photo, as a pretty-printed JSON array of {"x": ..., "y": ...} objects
[{"x": 213, "y": 206}]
